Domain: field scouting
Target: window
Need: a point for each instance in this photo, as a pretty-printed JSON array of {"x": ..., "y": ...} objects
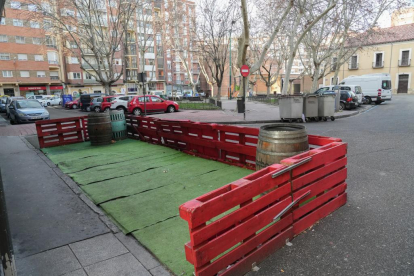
[
  {"x": 34, "y": 25},
  {"x": 46, "y": 7},
  {"x": 15, "y": 5},
  {"x": 3, "y": 21},
  {"x": 18, "y": 22},
  {"x": 24, "y": 74},
  {"x": 378, "y": 62},
  {"x": 20, "y": 39},
  {"x": 76, "y": 76},
  {"x": 37, "y": 40},
  {"x": 150, "y": 50},
  {"x": 4, "y": 56},
  {"x": 334, "y": 63},
  {"x": 168, "y": 53},
  {"x": 112, "y": 3},
  {"x": 155, "y": 100},
  {"x": 38, "y": 57},
  {"x": 54, "y": 75},
  {"x": 151, "y": 62},
  {"x": 66, "y": 12},
  {"x": 22, "y": 57},
  {"x": 50, "y": 41},
  {"x": 74, "y": 60},
  {"x": 169, "y": 65},
  {"x": 52, "y": 57},
  {"x": 354, "y": 62},
  {"x": 386, "y": 84},
  {"x": 73, "y": 45},
  {"x": 7, "y": 74},
  {"x": 405, "y": 58},
  {"x": 32, "y": 7},
  {"x": 3, "y": 38},
  {"x": 47, "y": 24},
  {"x": 88, "y": 76},
  {"x": 41, "y": 74}
]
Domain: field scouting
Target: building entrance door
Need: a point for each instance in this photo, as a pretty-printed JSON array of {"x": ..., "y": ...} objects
[{"x": 402, "y": 84}]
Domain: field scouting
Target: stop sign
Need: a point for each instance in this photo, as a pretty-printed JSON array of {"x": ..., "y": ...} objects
[{"x": 245, "y": 70}]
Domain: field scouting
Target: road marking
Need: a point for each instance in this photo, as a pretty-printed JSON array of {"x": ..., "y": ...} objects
[{"x": 369, "y": 109}]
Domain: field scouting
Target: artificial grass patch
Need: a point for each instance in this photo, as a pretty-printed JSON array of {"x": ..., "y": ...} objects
[{"x": 140, "y": 186}]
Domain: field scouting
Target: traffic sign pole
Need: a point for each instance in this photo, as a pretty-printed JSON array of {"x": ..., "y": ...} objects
[{"x": 244, "y": 71}]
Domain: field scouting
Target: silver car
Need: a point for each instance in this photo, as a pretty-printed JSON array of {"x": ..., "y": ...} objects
[{"x": 22, "y": 111}]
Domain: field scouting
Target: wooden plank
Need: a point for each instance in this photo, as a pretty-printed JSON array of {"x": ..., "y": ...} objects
[
  {"x": 319, "y": 201},
  {"x": 245, "y": 265},
  {"x": 205, "y": 233},
  {"x": 241, "y": 191},
  {"x": 322, "y": 140},
  {"x": 318, "y": 214},
  {"x": 55, "y": 132},
  {"x": 236, "y": 129},
  {"x": 220, "y": 244},
  {"x": 253, "y": 244}
]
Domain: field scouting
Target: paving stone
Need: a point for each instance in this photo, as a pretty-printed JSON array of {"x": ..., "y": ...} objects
[
  {"x": 53, "y": 262},
  {"x": 139, "y": 252},
  {"x": 124, "y": 265},
  {"x": 160, "y": 271},
  {"x": 98, "y": 249}
]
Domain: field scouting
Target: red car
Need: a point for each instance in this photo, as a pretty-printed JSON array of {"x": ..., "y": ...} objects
[
  {"x": 153, "y": 104},
  {"x": 72, "y": 104},
  {"x": 106, "y": 103}
]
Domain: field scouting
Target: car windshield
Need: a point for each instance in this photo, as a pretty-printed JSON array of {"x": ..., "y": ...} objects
[{"x": 28, "y": 104}]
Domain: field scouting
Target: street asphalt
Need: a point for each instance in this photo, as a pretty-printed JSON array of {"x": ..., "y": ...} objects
[{"x": 373, "y": 234}]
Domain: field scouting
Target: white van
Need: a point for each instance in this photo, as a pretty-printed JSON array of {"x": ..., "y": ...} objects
[{"x": 376, "y": 87}]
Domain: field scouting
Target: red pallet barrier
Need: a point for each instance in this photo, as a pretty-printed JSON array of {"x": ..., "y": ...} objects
[
  {"x": 232, "y": 227},
  {"x": 59, "y": 132}
]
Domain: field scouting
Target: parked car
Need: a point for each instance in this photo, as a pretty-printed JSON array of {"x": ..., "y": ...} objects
[
  {"x": 153, "y": 104},
  {"x": 121, "y": 102},
  {"x": 3, "y": 104},
  {"x": 52, "y": 100},
  {"x": 23, "y": 110},
  {"x": 376, "y": 87},
  {"x": 85, "y": 100},
  {"x": 95, "y": 104},
  {"x": 72, "y": 104},
  {"x": 175, "y": 95},
  {"x": 354, "y": 88},
  {"x": 9, "y": 101},
  {"x": 324, "y": 88},
  {"x": 106, "y": 103},
  {"x": 348, "y": 100}
]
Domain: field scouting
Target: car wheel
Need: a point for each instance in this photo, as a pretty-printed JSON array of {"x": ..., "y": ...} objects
[
  {"x": 106, "y": 109},
  {"x": 97, "y": 109},
  {"x": 48, "y": 103},
  {"x": 171, "y": 109},
  {"x": 137, "y": 112},
  {"x": 368, "y": 99},
  {"x": 341, "y": 106},
  {"x": 60, "y": 103},
  {"x": 74, "y": 106}
]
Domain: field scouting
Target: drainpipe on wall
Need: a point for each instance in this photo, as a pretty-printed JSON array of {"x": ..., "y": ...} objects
[{"x": 389, "y": 71}]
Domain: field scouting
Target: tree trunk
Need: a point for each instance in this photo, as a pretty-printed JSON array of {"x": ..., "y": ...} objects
[
  {"x": 218, "y": 93},
  {"x": 287, "y": 76},
  {"x": 268, "y": 90},
  {"x": 315, "y": 80},
  {"x": 212, "y": 90},
  {"x": 142, "y": 69},
  {"x": 107, "y": 89}
]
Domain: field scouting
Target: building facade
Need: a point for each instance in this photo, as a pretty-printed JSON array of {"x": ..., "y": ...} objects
[{"x": 389, "y": 52}]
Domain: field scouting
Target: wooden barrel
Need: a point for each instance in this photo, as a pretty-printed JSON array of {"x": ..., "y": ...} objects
[
  {"x": 99, "y": 129},
  {"x": 279, "y": 141},
  {"x": 118, "y": 123}
]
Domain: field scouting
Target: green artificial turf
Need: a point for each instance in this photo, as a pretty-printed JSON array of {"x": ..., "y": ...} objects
[{"x": 140, "y": 186}]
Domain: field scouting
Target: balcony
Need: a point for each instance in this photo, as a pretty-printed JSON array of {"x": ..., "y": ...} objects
[
  {"x": 93, "y": 66},
  {"x": 132, "y": 65},
  {"x": 404, "y": 63},
  {"x": 53, "y": 63},
  {"x": 353, "y": 66},
  {"x": 161, "y": 78},
  {"x": 51, "y": 46},
  {"x": 54, "y": 78},
  {"x": 378, "y": 64}
]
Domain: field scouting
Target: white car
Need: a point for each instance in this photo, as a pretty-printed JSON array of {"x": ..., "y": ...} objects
[
  {"x": 53, "y": 100},
  {"x": 121, "y": 102},
  {"x": 175, "y": 95}
]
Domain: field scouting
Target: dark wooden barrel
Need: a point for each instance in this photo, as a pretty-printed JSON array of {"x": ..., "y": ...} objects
[
  {"x": 279, "y": 141},
  {"x": 99, "y": 129}
]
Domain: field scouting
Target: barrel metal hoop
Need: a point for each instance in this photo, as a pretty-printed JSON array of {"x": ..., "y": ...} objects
[
  {"x": 304, "y": 139},
  {"x": 280, "y": 153},
  {"x": 291, "y": 167}
]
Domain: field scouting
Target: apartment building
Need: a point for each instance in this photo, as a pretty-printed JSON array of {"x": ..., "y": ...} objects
[
  {"x": 177, "y": 77},
  {"x": 388, "y": 52},
  {"x": 30, "y": 60}
]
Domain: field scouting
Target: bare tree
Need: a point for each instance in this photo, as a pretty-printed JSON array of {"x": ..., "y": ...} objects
[
  {"x": 215, "y": 21},
  {"x": 91, "y": 30}
]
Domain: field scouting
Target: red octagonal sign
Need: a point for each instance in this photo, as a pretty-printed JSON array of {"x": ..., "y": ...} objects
[{"x": 245, "y": 70}]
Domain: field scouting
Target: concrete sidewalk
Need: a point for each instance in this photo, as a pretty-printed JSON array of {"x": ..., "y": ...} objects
[
  {"x": 56, "y": 229},
  {"x": 256, "y": 112}
]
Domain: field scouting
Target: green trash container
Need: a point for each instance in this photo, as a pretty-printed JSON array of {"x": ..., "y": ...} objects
[{"x": 118, "y": 125}]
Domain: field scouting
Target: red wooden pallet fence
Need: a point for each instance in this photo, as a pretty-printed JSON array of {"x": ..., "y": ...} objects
[
  {"x": 247, "y": 233},
  {"x": 58, "y": 132}
]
